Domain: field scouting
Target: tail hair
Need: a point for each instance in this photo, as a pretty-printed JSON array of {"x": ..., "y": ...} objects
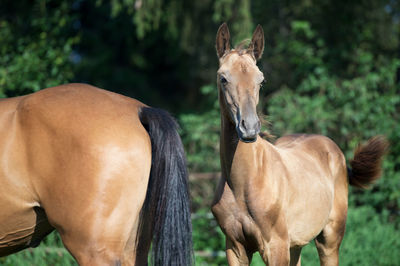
[
  {"x": 165, "y": 215},
  {"x": 367, "y": 163}
]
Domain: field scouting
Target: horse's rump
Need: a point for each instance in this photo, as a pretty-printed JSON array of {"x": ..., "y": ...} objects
[{"x": 60, "y": 147}]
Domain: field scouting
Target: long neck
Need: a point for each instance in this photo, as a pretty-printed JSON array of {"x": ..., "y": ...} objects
[{"x": 228, "y": 140}]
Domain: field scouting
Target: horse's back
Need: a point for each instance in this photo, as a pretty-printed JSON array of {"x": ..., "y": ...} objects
[
  {"x": 77, "y": 106},
  {"x": 320, "y": 149},
  {"x": 73, "y": 150}
]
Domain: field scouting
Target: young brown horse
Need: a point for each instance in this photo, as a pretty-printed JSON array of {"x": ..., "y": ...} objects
[
  {"x": 274, "y": 199},
  {"x": 106, "y": 171}
]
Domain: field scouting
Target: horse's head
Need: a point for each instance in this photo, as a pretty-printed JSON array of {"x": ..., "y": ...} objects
[{"x": 239, "y": 81}]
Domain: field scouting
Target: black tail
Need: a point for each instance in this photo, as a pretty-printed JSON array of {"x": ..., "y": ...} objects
[
  {"x": 165, "y": 215},
  {"x": 366, "y": 165}
]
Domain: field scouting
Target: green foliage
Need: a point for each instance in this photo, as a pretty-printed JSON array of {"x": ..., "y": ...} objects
[
  {"x": 49, "y": 252},
  {"x": 363, "y": 105},
  {"x": 180, "y": 17},
  {"x": 369, "y": 240},
  {"x": 368, "y": 234},
  {"x": 200, "y": 134},
  {"x": 208, "y": 239},
  {"x": 35, "y": 48}
]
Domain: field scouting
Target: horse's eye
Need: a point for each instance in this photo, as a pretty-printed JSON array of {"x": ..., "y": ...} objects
[
  {"x": 223, "y": 80},
  {"x": 262, "y": 83}
]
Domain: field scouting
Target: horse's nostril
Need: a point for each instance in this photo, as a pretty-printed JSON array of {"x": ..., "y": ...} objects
[{"x": 243, "y": 125}]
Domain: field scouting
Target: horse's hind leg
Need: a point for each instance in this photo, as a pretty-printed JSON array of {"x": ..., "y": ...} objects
[
  {"x": 329, "y": 240},
  {"x": 106, "y": 236},
  {"x": 101, "y": 229},
  {"x": 102, "y": 244},
  {"x": 328, "y": 243}
]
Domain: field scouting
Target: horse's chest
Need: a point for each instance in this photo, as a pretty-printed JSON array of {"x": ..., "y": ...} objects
[{"x": 238, "y": 224}]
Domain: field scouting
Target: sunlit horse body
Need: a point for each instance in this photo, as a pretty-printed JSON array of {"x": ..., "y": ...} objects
[
  {"x": 104, "y": 170},
  {"x": 275, "y": 198}
]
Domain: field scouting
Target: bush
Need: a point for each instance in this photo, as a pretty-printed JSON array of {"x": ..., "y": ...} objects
[
  {"x": 200, "y": 134},
  {"x": 36, "y": 46}
]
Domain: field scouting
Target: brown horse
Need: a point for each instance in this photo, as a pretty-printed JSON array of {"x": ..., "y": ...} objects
[
  {"x": 274, "y": 199},
  {"x": 104, "y": 170}
]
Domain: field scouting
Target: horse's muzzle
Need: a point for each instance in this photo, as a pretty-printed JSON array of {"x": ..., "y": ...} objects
[{"x": 248, "y": 130}]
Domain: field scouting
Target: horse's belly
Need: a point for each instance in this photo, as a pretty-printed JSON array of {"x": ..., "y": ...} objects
[
  {"x": 302, "y": 232},
  {"x": 308, "y": 215},
  {"x": 21, "y": 219},
  {"x": 17, "y": 225}
]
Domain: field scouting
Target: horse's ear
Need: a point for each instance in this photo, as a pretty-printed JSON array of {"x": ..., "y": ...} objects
[
  {"x": 222, "y": 42},
  {"x": 257, "y": 42}
]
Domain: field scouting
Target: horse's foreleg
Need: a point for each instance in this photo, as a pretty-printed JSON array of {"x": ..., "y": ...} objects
[
  {"x": 276, "y": 253},
  {"x": 236, "y": 254}
]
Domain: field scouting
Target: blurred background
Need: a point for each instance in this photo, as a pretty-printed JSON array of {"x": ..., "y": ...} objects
[{"x": 332, "y": 68}]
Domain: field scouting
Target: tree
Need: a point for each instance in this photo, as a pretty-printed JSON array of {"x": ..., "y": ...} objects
[{"x": 36, "y": 45}]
